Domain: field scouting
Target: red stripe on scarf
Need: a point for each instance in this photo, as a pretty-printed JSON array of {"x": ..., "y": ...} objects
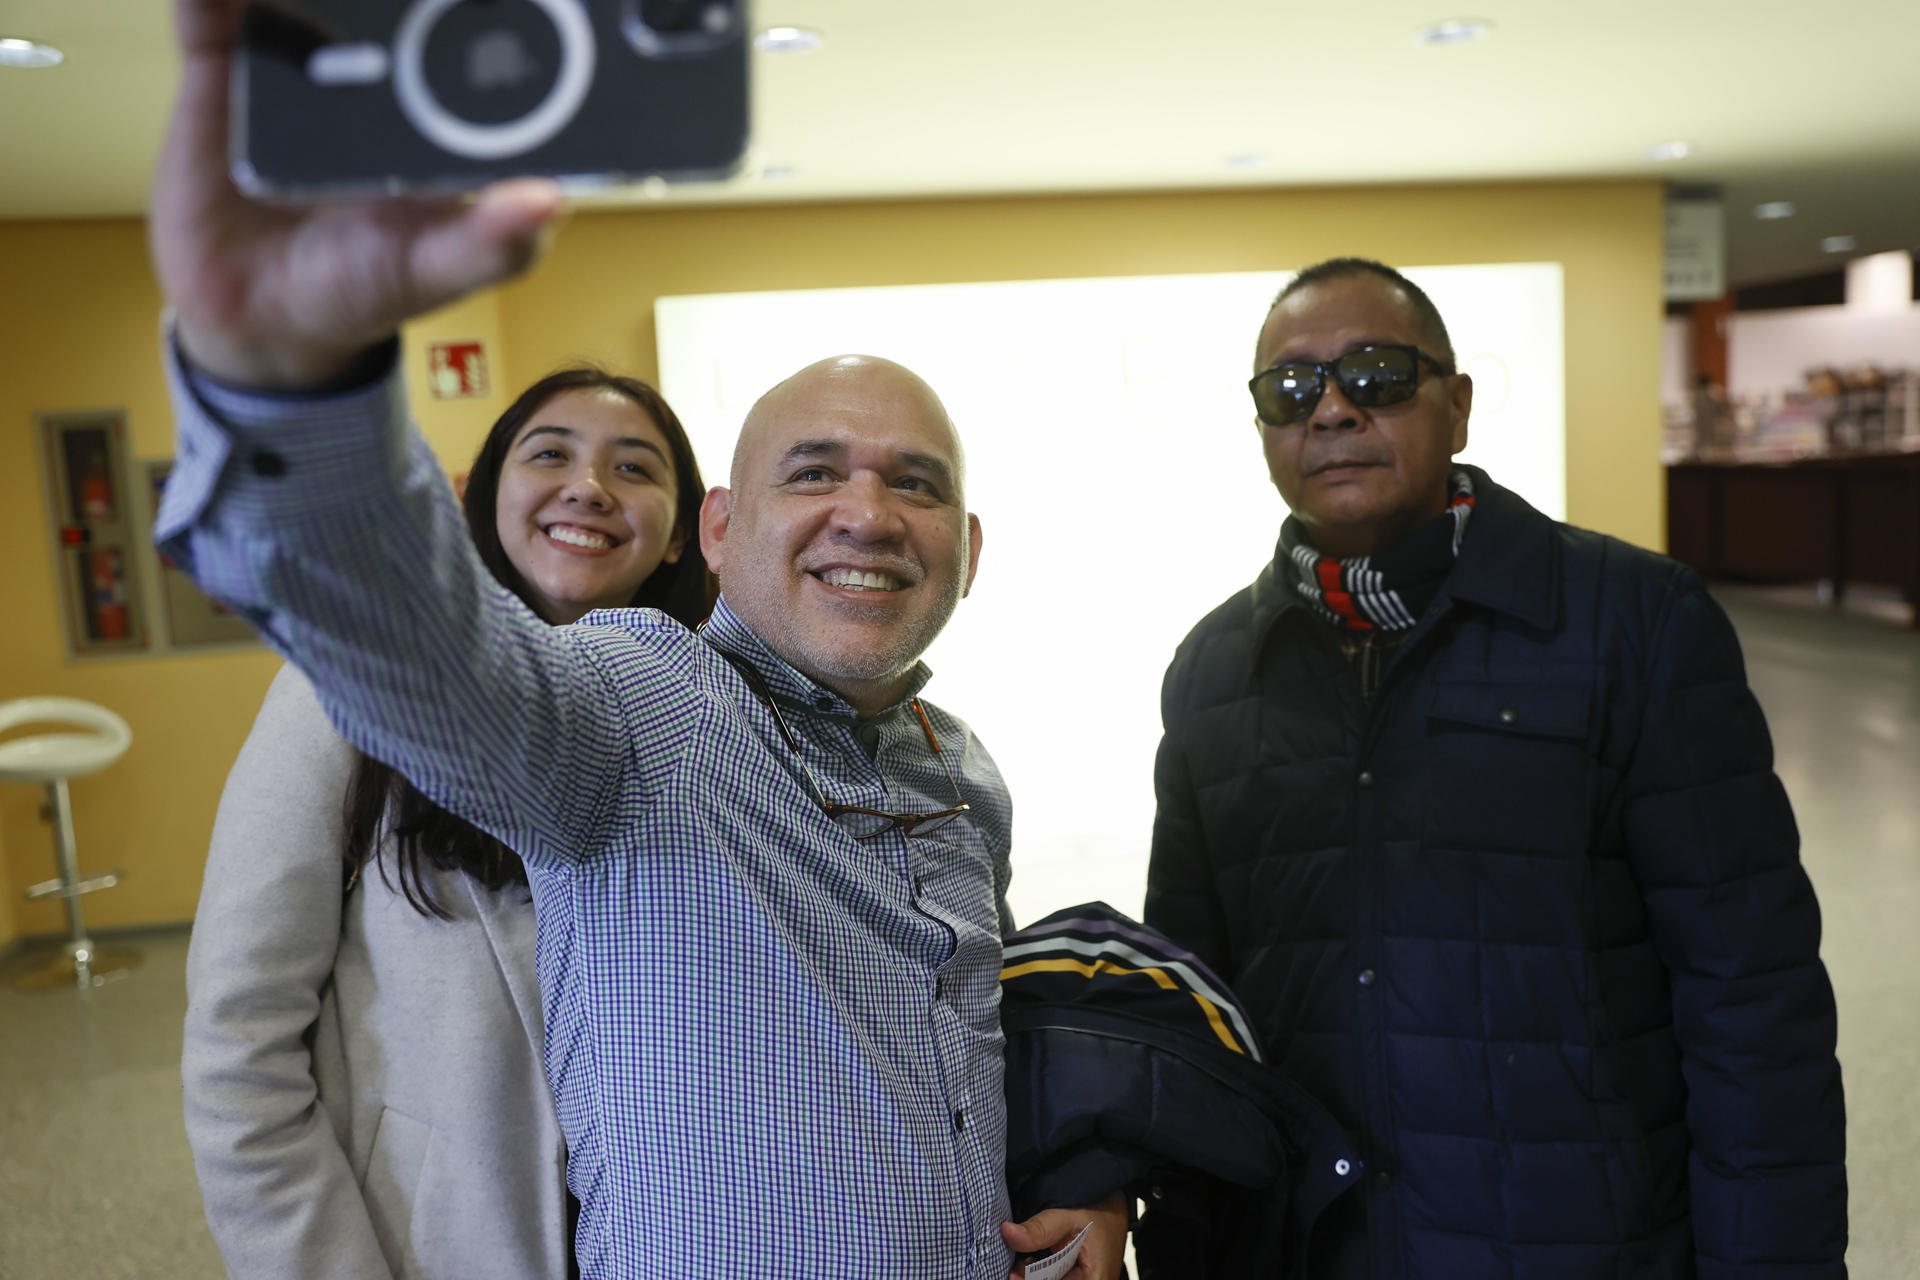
[{"x": 1337, "y": 600}]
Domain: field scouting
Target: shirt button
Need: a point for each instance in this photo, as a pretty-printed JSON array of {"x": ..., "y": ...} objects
[
  {"x": 1366, "y": 777},
  {"x": 1508, "y": 715},
  {"x": 1366, "y": 977},
  {"x": 268, "y": 464},
  {"x": 959, "y": 1121},
  {"x": 1342, "y": 1168}
]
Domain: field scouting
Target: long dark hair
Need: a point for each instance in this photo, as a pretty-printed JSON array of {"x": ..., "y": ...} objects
[{"x": 380, "y": 803}]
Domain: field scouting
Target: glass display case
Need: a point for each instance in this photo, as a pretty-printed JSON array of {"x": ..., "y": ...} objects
[{"x": 98, "y": 540}]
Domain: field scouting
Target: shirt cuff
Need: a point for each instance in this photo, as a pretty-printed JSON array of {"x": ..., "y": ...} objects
[{"x": 277, "y": 458}]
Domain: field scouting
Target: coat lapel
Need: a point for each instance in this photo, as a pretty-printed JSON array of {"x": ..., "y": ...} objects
[{"x": 497, "y": 915}]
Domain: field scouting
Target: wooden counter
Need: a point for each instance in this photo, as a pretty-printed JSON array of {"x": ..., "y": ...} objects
[{"x": 1843, "y": 519}]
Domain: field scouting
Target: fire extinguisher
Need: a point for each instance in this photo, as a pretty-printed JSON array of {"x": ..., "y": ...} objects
[
  {"x": 107, "y": 594},
  {"x": 106, "y": 584},
  {"x": 96, "y": 492}
]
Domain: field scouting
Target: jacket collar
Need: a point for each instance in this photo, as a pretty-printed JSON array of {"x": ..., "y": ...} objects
[
  {"x": 794, "y": 691},
  {"x": 1508, "y": 563}
]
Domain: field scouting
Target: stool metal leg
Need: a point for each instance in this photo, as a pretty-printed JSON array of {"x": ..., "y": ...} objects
[{"x": 80, "y": 963}]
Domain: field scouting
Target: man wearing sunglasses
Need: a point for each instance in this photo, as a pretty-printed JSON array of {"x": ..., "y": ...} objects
[
  {"x": 1476, "y": 813},
  {"x": 770, "y": 879}
]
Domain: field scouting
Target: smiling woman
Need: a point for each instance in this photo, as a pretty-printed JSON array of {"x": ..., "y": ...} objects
[
  {"x": 585, "y": 495},
  {"x": 586, "y": 503}
]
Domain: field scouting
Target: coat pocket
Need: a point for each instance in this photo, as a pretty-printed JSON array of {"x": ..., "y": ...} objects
[
  {"x": 1527, "y": 708},
  {"x": 1508, "y": 760},
  {"x": 392, "y": 1181}
]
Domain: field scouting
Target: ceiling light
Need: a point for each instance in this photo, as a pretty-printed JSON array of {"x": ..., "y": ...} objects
[
  {"x": 27, "y": 53},
  {"x": 1839, "y": 244},
  {"x": 1774, "y": 209},
  {"x": 1454, "y": 31},
  {"x": 1244, "y": 160},
  {"x": 777, "y": 172},
  {"x": 1675, "y": 150},
  {"x": 786, "y": 40}
]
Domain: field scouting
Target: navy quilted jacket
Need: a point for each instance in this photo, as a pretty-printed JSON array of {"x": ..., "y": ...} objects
[{"x": 1530, "y": 920}]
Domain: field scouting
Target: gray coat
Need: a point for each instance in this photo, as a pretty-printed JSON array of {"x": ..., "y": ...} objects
[{"x": 363, "y": 1084}]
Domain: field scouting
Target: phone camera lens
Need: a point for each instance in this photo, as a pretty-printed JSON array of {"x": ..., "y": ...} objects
[{"x": 493, "y": 61}]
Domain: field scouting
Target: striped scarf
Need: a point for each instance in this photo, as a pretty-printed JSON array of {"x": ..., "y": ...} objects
[{"x": 1386, "y": 592}]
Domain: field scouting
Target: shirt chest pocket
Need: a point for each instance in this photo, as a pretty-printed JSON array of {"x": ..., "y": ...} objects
[{"x": 1508, "y": 759}]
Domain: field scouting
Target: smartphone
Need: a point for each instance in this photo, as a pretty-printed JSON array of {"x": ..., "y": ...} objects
[{"x": 363, "y": 97}]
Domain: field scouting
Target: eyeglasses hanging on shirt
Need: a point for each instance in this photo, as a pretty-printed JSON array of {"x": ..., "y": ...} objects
[{"x": 860, "y": 823}]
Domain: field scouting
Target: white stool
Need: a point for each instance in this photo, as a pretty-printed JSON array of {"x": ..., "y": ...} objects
[{"x": 50, "y": 759}]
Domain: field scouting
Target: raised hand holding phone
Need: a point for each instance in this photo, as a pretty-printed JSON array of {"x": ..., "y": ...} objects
[{"x": 290, "y": 298}]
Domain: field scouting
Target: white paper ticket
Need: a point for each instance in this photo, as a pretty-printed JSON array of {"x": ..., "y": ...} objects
[{"x": 1059, "y": 1262}]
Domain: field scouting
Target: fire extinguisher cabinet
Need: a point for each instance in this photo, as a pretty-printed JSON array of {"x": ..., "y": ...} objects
[{"x": 95, "y": 531}]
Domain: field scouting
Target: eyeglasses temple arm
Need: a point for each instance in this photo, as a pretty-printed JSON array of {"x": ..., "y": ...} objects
[
  {"x": 926, "y": 725},
  {"x": 758, "y": 688}
]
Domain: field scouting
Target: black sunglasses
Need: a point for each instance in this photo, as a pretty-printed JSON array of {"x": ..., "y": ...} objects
[{"x": 1372, "y": 378}]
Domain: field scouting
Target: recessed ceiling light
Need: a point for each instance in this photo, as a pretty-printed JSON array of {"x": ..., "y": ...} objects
[
  {"x": 786, "y": 40},
  {"x": 1244, "y": 160},
  {"x": 1774, "y": 209},
  {"x": 1839, "y": 244},
  {"x": 777, "y": 172},
  {"x": 1675, "y": 150},
  {"x": 1454, "y": 31},
  {"x": 28, "y": 53}
]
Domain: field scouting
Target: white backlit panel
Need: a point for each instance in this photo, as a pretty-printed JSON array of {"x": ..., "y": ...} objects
[{"x": 1113, "y": 461}]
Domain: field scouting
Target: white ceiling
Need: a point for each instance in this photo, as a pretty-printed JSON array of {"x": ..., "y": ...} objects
[{"x": 1779, "y": 100}]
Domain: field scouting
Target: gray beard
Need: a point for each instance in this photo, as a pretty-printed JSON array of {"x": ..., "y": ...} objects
[{"x": 834, "y": 664}]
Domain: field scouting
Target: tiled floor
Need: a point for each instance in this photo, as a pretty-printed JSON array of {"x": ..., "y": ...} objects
[
  {"x": 95, "y": 1180},
  {"x": 1842, "y": 693}
]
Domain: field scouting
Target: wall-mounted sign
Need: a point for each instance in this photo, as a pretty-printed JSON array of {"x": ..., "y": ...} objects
[
  {"x": 95, "y": 533},
  {"x": 1696, "y": 250},
  {"x": 458, "y": 370}
]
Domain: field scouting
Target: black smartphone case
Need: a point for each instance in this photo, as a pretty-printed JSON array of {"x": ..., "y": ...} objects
[{"x": 358, "y": 97}]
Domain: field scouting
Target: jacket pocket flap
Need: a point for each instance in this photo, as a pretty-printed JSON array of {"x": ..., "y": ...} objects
[{"x": 1531, "y": 710}]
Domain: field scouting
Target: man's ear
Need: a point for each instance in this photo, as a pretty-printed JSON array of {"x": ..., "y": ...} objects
[
  {"x": 716, "y": 511},
  {"x": 1461, "y": 395},
  {"x": 973, "y": 551}
]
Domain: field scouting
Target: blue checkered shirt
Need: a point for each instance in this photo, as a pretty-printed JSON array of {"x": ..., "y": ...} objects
[{"x": 775, "y": 1050}]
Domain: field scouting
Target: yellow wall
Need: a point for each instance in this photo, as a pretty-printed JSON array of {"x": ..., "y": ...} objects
[
  {"x": 77, "y": 330},
  {"x": 8, "y": 930}
]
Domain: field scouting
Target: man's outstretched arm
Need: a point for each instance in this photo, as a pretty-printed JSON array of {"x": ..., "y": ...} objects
[{"x": 299, "y": 497}]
